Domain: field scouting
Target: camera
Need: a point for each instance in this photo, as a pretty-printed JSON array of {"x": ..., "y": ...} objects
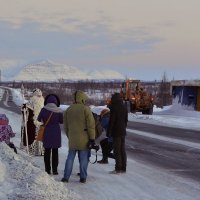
[{"x": 94, "y": 146}]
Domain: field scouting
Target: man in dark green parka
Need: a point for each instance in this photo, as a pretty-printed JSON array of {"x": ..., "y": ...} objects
[{"x": 79, "y": 126}]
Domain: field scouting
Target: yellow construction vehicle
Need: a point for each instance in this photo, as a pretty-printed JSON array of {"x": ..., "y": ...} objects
[{"x": 136, "y": 99}]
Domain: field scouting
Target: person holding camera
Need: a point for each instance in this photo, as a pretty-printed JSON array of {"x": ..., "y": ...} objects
[{"x": 79, "y": 126}]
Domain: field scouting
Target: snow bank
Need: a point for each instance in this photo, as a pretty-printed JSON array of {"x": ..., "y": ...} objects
[
  {"x": 175, "y": 115},
  {"x": 20, "y": 179},
  {"x": 17, "y": 96}
]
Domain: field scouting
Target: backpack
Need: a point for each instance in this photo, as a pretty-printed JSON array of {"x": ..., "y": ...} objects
[{"x": 98, "y": 127}]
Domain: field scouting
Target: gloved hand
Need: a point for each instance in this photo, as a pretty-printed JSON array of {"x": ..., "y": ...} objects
[
  {"x": 91, "y": 142},
  {"x": 92, "y": 145}
]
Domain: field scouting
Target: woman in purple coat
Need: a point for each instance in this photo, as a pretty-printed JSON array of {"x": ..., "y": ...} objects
[{"x": 52, "y": 137}]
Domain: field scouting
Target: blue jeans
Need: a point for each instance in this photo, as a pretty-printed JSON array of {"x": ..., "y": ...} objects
[{"x": 83, "y": 156}]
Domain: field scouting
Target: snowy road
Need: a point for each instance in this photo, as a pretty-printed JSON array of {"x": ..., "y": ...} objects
[
  {"x": 147, "y": 177},
  {"x": 173, "y": 149},
  {"x": 6, "y": 101}
]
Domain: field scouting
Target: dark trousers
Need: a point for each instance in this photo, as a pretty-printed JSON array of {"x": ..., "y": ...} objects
[
  {"x": 120, "y": 153},
  {"x": 51, "y": 159},
  {"x": 106, "y": 147}
]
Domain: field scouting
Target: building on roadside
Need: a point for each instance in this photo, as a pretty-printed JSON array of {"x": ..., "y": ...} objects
[{"x": 187, "y": 92}]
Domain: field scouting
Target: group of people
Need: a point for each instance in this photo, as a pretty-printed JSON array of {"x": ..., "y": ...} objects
[{"x": 79, "y": 126}]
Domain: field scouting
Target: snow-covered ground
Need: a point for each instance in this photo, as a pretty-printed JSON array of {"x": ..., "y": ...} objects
[
  {"x": 23, "y": 176},
  {"x": 174, "y": 116}
]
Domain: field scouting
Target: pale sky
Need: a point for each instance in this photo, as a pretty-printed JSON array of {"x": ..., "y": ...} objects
[{"x": 139, "y": 38}]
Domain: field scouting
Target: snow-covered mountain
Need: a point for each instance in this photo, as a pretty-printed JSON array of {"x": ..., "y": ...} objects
[
  {"x": 50, "y": 71},
  {"x": 106, "y": 74}
]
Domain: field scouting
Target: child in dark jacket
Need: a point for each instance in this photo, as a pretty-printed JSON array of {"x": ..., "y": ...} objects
[{"x": 106, "y": 143}]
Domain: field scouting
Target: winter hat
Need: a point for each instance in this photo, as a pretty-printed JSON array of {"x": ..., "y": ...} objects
[
  {"x": 37, "y": 92},
  {"x": 52, "y": 98}
]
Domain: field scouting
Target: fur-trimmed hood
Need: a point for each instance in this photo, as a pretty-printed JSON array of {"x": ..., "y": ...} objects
[{"x": 53, "y": 108}]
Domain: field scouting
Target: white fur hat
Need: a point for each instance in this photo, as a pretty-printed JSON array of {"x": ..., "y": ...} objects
[{"x": 37, "y": 92}]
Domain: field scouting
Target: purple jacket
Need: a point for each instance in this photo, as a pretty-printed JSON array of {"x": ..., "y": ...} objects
[{"x": 52, "y": 137}]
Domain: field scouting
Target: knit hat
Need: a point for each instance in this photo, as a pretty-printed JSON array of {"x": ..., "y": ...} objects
[{"x": 51, "y": 99}]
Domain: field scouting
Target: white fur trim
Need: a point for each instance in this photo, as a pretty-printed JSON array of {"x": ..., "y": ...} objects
[{"x": 37, "y": 103}]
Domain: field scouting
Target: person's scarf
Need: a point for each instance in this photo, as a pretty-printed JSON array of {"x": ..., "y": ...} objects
[{"x": 53, "y": 108}]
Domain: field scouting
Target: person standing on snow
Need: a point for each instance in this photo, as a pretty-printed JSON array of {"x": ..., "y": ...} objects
[
  {"x": 117, "y": 130},
  {"x": 106, "y": 143},
  {"x": 52, "y": 136},
  {"x": 32, "y": 109},
  {"x": 79, "y": 126}
]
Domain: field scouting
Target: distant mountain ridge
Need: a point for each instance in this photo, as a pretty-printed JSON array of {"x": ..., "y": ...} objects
[{"x": 50, "y": 71}]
